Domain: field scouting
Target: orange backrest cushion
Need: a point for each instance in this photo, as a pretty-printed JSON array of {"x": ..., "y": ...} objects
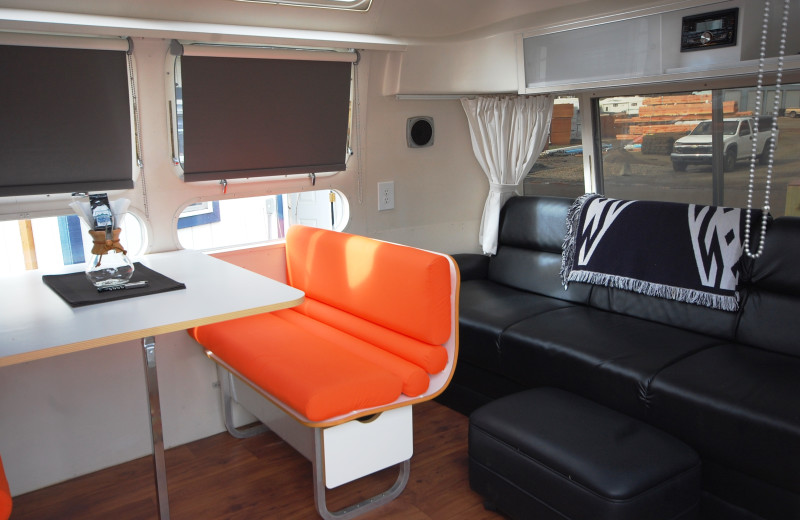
[
  {"x": 401, "y": 288},
  {"x": 5, "y": 494}
]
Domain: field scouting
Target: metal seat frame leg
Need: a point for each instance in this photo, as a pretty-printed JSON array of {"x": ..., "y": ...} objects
[
  {"x": 227, "y": 395},
  {"x": 362, "y": 507}
]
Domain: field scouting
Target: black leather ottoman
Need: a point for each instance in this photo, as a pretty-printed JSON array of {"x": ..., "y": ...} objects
[{"x": 547, "y": 454}]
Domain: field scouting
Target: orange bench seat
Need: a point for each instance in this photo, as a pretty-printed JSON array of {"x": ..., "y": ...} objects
[
  {"x": 377, "y": 323},
  {"x": 315, "y": 369}
]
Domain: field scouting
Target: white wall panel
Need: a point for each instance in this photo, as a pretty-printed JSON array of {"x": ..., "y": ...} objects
[{"x": 484, "y": 65}]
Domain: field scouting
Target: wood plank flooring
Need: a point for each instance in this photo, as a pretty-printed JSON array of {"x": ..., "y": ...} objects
[{"x": 221, "y": 477}]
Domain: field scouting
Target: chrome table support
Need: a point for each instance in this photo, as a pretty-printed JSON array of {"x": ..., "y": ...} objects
[{"x": 149, "y": 346}]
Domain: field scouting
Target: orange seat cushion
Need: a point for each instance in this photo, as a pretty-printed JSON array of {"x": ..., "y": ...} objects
[
  {"x": 401, "y": 288},
  {"x": 432, "y": 358},
  {"x": 415, "y": 379},
  {"x": 5, "y": 495},
  {"x": 307, "y": 371}
]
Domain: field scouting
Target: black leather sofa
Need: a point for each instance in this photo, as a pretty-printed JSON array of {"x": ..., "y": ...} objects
[{"x": 725, "y": 383}]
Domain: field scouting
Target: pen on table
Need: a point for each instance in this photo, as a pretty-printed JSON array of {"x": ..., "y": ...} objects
[{"x": 129, "y": 285}]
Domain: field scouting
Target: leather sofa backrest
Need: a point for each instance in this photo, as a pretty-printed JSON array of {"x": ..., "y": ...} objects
[
  {"x": 532, "y": 231},
  {"x": 538, "y": 223},
  {"x": 770, "y": 316},
  {"x": 712, "y": 322}
]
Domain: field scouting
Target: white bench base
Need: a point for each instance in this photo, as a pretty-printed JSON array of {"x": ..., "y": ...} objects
[{"x": 339, "y": 454}]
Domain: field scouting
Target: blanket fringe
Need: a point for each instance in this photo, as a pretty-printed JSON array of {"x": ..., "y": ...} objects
[
  {"x": 570, "y": 239},
  {"x": 715, "y": 301}
]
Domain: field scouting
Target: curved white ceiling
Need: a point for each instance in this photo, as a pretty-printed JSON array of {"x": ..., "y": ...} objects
[{"x": 407, "y": 19}]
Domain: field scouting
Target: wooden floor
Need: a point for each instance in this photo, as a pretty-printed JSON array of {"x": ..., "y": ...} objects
[{"x": 263, "y": 478}]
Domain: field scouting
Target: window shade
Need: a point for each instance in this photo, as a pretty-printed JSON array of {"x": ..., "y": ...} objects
[
  {"x": 64, "y": 120},
  {"x": 247, "y": 117}
]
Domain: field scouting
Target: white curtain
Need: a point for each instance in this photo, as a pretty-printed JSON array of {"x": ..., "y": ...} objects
[{"x": 508, "y": 134}]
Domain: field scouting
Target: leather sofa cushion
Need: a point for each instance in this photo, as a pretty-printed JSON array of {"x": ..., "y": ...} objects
[
  {"x": 736, "y": 405},
  {"x": 728, "y": 493},
  {"x": 472, "y": 266},
  {"x": 610, "y": 357},
  {"x": 776, "y": 270},
  {"x": 771, "y": 303},
  {"x": 486, "y": 310},
  {"x": 771, "y": 321}
]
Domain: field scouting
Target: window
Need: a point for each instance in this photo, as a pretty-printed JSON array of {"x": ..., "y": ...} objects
[
  {"x": 251, "y": 221},
  {"x": 52, "y": 242},
  {"x": 664, "y": 150},
  {"x": 198, "y": 214},
  {"x": 65, "y": 122},
  {"x": 240, "y": 116},
  {"x": 559, "y": 169}
]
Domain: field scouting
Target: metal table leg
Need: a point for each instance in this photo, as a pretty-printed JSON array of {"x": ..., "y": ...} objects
[{"x": 149, "y": 346}]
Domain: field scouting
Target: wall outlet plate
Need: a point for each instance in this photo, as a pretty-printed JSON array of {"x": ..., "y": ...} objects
[{"x": 385, "y": 195}]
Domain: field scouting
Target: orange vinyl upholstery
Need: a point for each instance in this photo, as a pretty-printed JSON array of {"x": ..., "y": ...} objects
[
  {"x": 414, "y": 379},
  {"x": 377, "y": 326},
  {"x": 432, "y": 358},
  {"x": 301, "y": 368},
  {"x": 5, "y": 495},
  {"x": 401, "y": 288}
]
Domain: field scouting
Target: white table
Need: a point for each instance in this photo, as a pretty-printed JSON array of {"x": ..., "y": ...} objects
[{"x": 35, "y": 323}]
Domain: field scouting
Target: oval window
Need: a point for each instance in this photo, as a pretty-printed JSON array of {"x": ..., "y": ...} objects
[
  {"x": 244, "y": 222},
  {"x": 49, "y": 243}
]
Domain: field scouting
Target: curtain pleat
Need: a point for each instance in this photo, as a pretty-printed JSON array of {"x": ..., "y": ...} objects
[{"x": 508, "y": 133}]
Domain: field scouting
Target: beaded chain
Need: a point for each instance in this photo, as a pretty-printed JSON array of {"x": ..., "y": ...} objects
[{"x": 774, "y": 129}]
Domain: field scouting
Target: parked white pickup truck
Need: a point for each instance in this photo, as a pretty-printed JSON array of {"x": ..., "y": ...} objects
[{"x": 695, "y": 148}]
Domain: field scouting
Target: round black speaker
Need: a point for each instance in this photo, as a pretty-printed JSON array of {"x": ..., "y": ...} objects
[{"x": 419, "y": 132}]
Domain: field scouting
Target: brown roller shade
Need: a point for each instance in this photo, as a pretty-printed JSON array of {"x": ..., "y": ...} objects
[
  {"x": 246, "y": 117},
  {"x": 64, "y": 121}
]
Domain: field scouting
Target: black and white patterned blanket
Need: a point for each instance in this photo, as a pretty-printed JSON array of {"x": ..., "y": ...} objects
[{"x": 683, "y": 252}]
